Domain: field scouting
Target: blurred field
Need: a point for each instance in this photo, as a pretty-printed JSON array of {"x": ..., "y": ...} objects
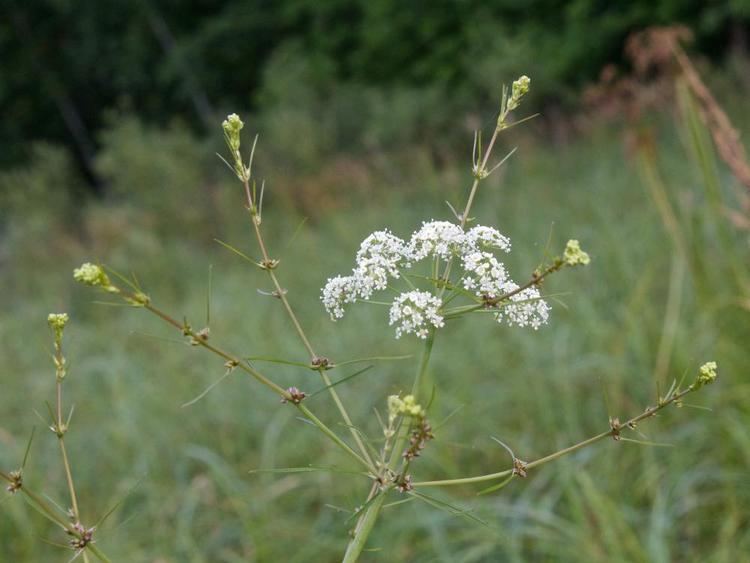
[{"x": 192, "y": 497}]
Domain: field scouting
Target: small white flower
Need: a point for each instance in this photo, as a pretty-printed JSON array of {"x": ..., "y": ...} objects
[
  {"x": 525, "y": 308},
  {"x": 436, "y": 238},
  {"x": 484, "y": 274},
  {"x": 378, "y": 258},
  {"x": 337, "y": 292},
  {"x": 414, "y": 311},
  {"x": 481, "y": 237}
]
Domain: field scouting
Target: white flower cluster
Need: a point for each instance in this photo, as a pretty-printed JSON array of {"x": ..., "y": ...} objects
[
  {"x": 484, "y": 274},
  {"x": 414, "y": 311},
  {"x": 382, "y": 256},
  {"x": 525, "y": 308},
  {"x": 436, "y": 238},
  {"x": 379, "y": 257}
]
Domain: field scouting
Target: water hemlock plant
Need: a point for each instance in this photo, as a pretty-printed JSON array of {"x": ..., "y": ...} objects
[{"x": 445, "y": 270}]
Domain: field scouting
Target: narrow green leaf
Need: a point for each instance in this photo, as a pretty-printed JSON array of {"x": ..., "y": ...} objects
[
  {"x": 237, "y": 252},
  {"x": 340, "y": 381},
  {"x": 307, "y": 469},
  {"x": 275, "y": 361},
  {"x": 119, "y": 502},
  {"x": 28, "y": 447},
  {"x": 207, "y": 390},
  {"x": 396, "y": 503},
  {"x": 646, "y": 443},
  {"x": 499, "y": 486},
  {"x": 446, "y": 507},
  {"x": 374, "y": 359}
]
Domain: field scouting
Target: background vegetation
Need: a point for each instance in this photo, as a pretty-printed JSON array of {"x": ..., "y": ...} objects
[{"x": 365, "y": 113}]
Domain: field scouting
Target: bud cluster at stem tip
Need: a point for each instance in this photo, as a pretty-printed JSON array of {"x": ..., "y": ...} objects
[
  {"x": 57, "y": 322},
  {"x": 93, "y": 275},
  {"x": 706, "y": 374},
  {"x": 232, "y": 126},
  {"x": 573, "y": 255},
  {"x": 519, "y": 89}
]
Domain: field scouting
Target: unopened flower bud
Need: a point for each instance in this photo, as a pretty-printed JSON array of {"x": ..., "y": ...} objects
[
  {"x": 573, "y": 255},
  {"x": 520, "y": 87},
  {"x": 93, "y": 275},
  {"x": 232, "y": 126},
  {"x": 57, "y": 321},
  {"x": 706, "y": 374}
]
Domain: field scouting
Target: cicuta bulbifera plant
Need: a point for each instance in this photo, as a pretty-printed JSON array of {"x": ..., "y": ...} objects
[{"x": 446, "y": 269}]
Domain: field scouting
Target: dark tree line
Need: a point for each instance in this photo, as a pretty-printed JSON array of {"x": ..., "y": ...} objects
[{"x": 65, "y": 63}]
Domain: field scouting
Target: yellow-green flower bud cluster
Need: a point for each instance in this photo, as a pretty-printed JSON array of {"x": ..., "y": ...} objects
[
  {"x": 93, "y": 275},
  {"x": 57, "y": 321},
  {"x": 407, "y": 406},
  {"x": 232, "y": 126},
  {"x": 519, "y": 89},
  {"x": 574, "y": 256},
  {"x": 706, "y": 374}
]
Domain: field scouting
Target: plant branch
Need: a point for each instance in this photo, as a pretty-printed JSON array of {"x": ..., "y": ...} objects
[
  {"x": 234, "y": 361},
  {"x": 613, "y": 432},
  {"x": 268, "y": 265}
]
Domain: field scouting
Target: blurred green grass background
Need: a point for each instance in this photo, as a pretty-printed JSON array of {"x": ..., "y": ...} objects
[{"x": 192, "y": 497}]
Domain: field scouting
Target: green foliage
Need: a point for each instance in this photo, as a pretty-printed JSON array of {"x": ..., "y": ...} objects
[{"x": 153, "y": 168}]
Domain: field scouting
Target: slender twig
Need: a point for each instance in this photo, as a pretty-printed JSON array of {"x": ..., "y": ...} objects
[
  {"x": 269, "y": 265},
  {"x": 235, "y": 361},
  {"x": 613, "y": 432}
]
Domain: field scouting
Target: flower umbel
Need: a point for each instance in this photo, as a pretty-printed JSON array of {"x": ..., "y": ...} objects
[
  {"x": 415, "y": 312},
  {"x": 383, "y": 257}
]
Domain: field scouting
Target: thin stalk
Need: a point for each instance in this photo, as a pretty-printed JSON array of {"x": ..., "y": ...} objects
[
  {"x": 612, "y": 432},
  {"x": 201, "y": 341},
  {"x": 480, "y": 169},
  {"x": 269, "y": 266},
  {"x": 36, "y": 500},
  {"x": 477, "y": 179},
  {"x": 66, "y": 463},
  {"x": 331, "y": 434},
  {"x": 61, "y": 428},
  {"x": 52, "y": 515},
  {"x": 236, "y": 362},
  {"x": 535, "y": 280}
]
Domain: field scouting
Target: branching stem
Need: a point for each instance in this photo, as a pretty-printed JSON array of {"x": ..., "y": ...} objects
[
  {"x": 234, "y": 361},
  {"x": 613, "y": 432},
  {"x": 269, "y": 266}
]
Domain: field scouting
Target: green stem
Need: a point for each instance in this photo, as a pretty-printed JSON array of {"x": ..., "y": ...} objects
[
  {"x": 362, "y": 531},
  {"x": 332, "y": 435},
  {"x": 613, "y": 432},
  {"x": 97, "y": 552},
  {"x": 235, "y": 361},
  {"x": 347, "y": 419},
  {"x": 269, "y": 265},
  {"x": 419, "y": 380}
]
